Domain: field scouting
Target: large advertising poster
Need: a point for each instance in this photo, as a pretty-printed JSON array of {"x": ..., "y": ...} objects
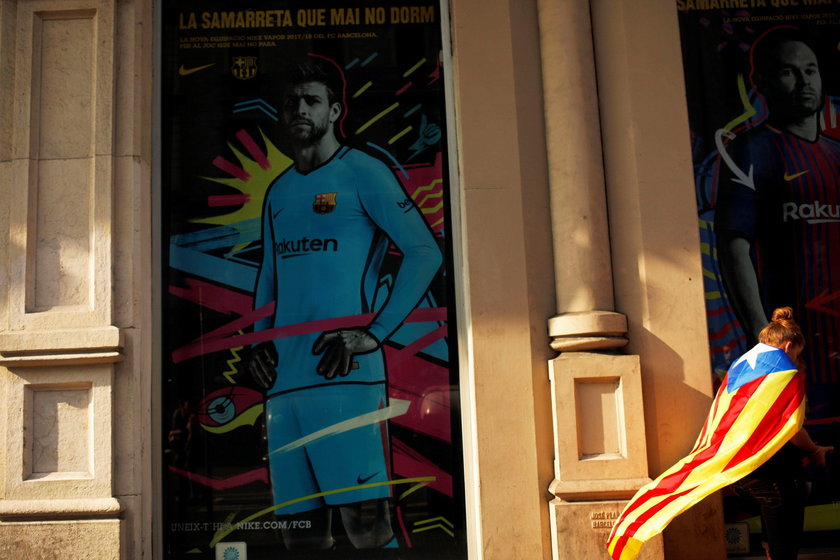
[
  {"x": 762, "y": 90},
  {"x": 310, "y": 380}
]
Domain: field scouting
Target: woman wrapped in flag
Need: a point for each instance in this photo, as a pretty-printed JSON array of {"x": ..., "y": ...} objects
[{"x": 759, "y": 408}]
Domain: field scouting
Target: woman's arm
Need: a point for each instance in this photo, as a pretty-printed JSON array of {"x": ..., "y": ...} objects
[{"x": 815, "y": 452}]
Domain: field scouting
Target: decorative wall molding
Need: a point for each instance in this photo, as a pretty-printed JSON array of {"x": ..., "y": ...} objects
[
  {"x": 587, "y": 331},
  {"x": 604, "y": 456},
  {"x": 58, "y": 444},
  {"x": 61, "y": 347},
  {"x": 58, "y": 339},
  {"x": 60, "y": 219},
  {"x": 32, "y": 510}
]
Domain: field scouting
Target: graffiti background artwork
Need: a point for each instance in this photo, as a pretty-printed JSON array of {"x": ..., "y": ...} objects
[{"x": 234, "y": 175}]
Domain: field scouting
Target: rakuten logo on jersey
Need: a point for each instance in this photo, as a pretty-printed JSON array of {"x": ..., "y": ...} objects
[
  {"x": 814, "y": 213},
  {"x": 287, "y": 248}
]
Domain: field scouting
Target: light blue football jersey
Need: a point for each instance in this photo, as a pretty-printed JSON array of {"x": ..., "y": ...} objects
[{"x": 325, "y": 234}]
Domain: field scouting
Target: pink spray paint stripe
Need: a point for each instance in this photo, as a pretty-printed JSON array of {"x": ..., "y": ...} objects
[
  {"x": 238, "y": 324},
  {"x": 819, "y": 421},
  {"x": 231, "y": 168},
  {"x": 414, "y": 375},
  {"x": 228, "y": 200},
  {"x": 419, "y": 344},
  {"x": 217, "y": 340},
  {"x": 404, "y": 530},
  {"x": 213, "y": 297},
  {"x": 426, "y": 385},
  {"x": 253, "y": 149},
  {"x": 256, "y": 475},
  {"x": 409, "y": 463},
  {"x": 420, "y": 417},
  {"x": 206, "y": 344},
  {"x": 404, "y": 88}
]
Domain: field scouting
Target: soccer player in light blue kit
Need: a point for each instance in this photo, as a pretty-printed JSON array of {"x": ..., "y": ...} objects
[{"x": 328, "y": 222}]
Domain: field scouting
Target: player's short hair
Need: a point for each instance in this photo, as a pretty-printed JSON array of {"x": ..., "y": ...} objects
[
  {"x": 781, "y": 329},
  {"x": 765, "y": 50},
  {"x": 316, "y": 69}
]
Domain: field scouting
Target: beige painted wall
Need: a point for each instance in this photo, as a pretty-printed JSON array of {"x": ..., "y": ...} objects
[{"x": 509, "y": 271}]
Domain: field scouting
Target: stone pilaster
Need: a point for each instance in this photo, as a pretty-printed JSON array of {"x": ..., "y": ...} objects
[
  {"x": 599, "y": 433},
  {"x": 59, "y": 344}
]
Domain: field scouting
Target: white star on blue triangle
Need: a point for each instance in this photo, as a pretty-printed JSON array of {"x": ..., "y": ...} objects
[{"x": 761, "y": 360}]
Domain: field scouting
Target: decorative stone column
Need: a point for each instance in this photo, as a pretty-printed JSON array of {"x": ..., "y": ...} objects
[
  {"x": 599, "y": 434},
  {"x": 58, "y": 339}
]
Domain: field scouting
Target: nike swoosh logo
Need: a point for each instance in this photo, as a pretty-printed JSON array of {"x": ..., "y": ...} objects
[
  {"x": 361, "y": 480},
  {"x": 791, "y": 177},
  {"x": 187, "y": 71}
]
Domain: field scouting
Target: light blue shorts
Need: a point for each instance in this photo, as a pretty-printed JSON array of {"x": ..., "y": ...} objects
[{"x": 335, "y": 464}]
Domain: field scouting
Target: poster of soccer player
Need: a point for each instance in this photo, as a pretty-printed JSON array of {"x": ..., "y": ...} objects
[
  {"x": 310, "y": 402},
  {"x": 761, "y": 90}
]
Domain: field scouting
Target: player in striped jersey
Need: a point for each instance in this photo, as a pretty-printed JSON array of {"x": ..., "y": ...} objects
[{"x": 778, "y": 211}]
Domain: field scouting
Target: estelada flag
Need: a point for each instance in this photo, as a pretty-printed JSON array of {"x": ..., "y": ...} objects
[{"x": 760, "y": 405}]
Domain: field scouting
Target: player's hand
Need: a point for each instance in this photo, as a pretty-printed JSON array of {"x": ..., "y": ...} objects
[
  {"x": 261, "y": 364},
  {"x": 339, "y": 347}
]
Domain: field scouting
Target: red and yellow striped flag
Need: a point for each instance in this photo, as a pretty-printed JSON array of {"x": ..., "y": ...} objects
[{"x": 758, "y": 408}]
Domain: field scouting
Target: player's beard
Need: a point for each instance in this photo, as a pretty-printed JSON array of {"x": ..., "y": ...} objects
[{"x": 305, "y": 136}]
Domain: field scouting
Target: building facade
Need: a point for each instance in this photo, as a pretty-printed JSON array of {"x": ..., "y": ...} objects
[{"x": 578, "y": 275}]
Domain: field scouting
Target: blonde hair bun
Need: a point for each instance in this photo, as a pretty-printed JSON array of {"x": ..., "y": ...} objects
[
  {"x": 781, "y": 329},
  {"x": 782, "y": 314}
]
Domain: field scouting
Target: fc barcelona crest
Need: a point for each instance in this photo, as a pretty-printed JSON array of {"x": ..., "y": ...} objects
[
  {"x": 324, "y": 203},
  {"x": 244, "y": 67}
]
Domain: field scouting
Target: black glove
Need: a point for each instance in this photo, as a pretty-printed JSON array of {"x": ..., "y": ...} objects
[
  {"x": 261, "y": 364},
  {"x": 339, "y": 347}
]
